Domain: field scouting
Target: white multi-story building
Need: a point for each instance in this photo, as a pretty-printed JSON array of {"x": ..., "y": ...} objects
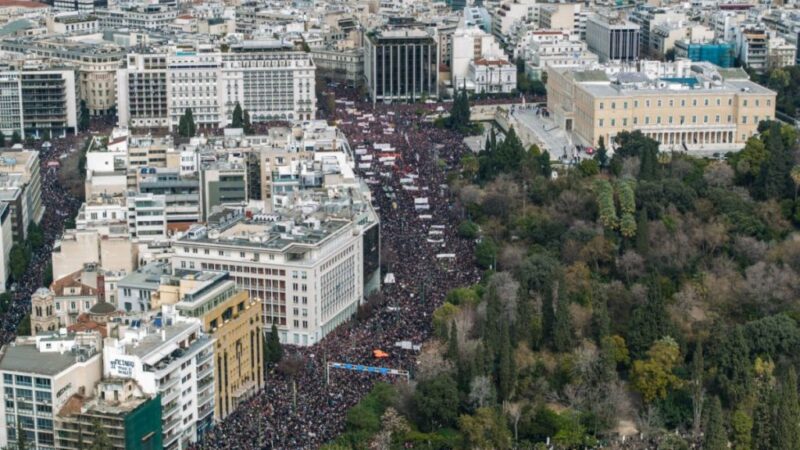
[
  {"x": 270, "y": 80},
  {"x": 492, "y": 76},
  {"x": 470, "y": 44},
  {"x": 310, "y": 261},
  {"x": 171, "y": 356},
  {"x": 39, "y": 375},
  {"x": 570, "y": 53},
  {"x": 6, "y": 242},
  {"x": 147, "y": 216}
]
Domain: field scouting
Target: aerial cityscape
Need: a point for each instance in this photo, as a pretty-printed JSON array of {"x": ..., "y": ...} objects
[{"x": 399, "y": 224}]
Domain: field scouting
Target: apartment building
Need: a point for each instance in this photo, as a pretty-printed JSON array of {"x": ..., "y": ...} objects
[
  {"x": 492, "y": 76},
  {"x": 147, "y": 216},
  {"x": 181, "y": 192},
  {"x": 10, "y": 104},
  {"x": 233, "y": 319},
  {"x": 169, "y": 356},
  {"x": 401, "y": 64},
  {"x": 6, "y": 243},
  {"x": 569, "y": 52},
  {"x": 612, "y": 39},
  {"x": 310, "y": 261},
  {"x": 703, "y": 108},
  {"x": 39, "y": 375},
  {"x": 112, "y": 250},
  {"x": 130, "y": 418},
  {"x": 563, "y": 16},
  {"x": 752, "y": 44},
  {"x": 341, "y": 65},
  {"x": 512, "y": 14},
  {"x": 21, "y": 188},
  {"x": 48, "y": 98},
  {"x": 141, "y": 17},
  {"x": 270, "y": 80},
  {"x": 470, "y": 44},
  {"x": 221, "y": 183},
  {"x": 648, "y": 17},
  {"x": 96, "y": 65}
]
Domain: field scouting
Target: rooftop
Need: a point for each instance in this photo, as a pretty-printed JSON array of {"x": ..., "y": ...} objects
[{"x": 28, "y": 359}]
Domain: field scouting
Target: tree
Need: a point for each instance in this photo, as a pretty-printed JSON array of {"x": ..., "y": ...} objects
[
  {"x": 698, "y": 389},
  {"x": 459, "y": 118},
  {"x": 485, "y": 429},
  {"x": 18, "y": 261},
  {"x": 601, "y": 156},
  {"x": 654, "y": 377},
  {"x": 101, "y": 441},
  {"x": 649, "y": 323},
  {"x": 186, "y": 125},
  {"x": 787, "y": 428},
  {"x": 273, "y": 347},
  {"x": 715, "y": 437},
  {"x": 22, "y": 438},
  {"x": 563, "y": 340},
  {"x": 246, "y": 124},
  {"x": 2, "y": 139},
  {"x": 506, "y": 371},
  {"x": 85, "y": 119},
  {"x": 237, "y": 120},
  {"x": 16, "y": 138},
  {"x": 734, "y": 369},
  {"x": 486, "y": 253},
  {"x": 436, "y": 402},
  {"x": 741, "y": 429},
  {"x": 35, "y": 236},
  {"x": 481, "y": 391}
]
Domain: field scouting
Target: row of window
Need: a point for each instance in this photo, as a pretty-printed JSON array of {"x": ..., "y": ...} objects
[
  {"x": 671, "y": 102},
  {"x": 682, "y": 121},
  {"x": 24, "y": 380}
]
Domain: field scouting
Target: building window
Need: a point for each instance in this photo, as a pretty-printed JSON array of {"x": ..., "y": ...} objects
[
  {"x": 600, "y": 123},
  {"x": 601, "y": 105}
]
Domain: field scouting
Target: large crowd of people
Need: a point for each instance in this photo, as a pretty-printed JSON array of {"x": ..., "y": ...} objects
[
  {"x": 59, "y": 205},
  {"x": 302, "y": 410}
]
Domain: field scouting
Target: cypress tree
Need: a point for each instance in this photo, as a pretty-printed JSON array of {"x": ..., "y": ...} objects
[
  {"x": 698, "y": 390},
  {"x": 237, "y": 119},
  {"x": 246, "y": 124},
  {"x": 734, "y": 368},
  {"x": 602, "y": 154},
  {"x": 544, "y": 164},
  {"x": 548, "y": 315},
  {"x": 562, "y": 328},
  {"x": 764, "y": 416},
  {"x": 274, "y": 349},
  {"x": 506, "y": 370},
  {"x": 452, "y": 343},
  {"x": 787, "y": 426},
  {"x": 642, "y": 233},
  {"x": 601, "y": 323},
  {"x": 715, "y": 437}
]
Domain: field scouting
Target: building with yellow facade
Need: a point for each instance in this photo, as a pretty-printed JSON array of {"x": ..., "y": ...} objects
[
  {"x": 694, "y": 107},
  {"x": 233, "y": 319}
]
